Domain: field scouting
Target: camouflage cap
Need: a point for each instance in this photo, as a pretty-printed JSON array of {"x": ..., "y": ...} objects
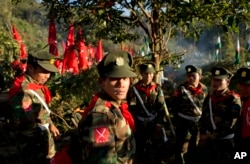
[
  {"x": 190, "y": 69},
  {"x": 147, "y": 68},
  {"x": 221, "y": 73},
  {"x": 44, "y": 59},
  {"x": 116, "y": 64},
  {"x": 243, "y": 75}
]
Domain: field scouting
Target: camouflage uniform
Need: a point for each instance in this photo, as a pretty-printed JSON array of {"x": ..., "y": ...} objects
[
  {"x": 220, "y": 112},
  {"x": 242, "y": 135},
  {"x": 31, "y": 118},
  {"x": 106, "y": 135},
  {"x": 149, "y": 129},
  {"x": 187, "y": 116}
]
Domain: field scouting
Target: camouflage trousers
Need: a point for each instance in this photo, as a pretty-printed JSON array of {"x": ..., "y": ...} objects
[
  {"x": 187, "y": 138},
  {"x": 36, "y": 145}
]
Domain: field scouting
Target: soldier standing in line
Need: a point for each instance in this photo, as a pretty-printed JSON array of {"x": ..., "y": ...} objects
[
  {"x": 220, "y": 112},
  {"x": 29, "y": 99},
  {"x": 242, "y": 136},
  {"x": 107, "y": 127},
  {"x": 187, "y": 107},
  {"x": 148, "y": 108}
]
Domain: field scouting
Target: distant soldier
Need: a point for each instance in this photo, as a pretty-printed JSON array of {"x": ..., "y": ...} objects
[
  {"x": 242, "y": 136},
  {"x": 107, "y": 128},
  {"x": 148, "y": 108},
  {"x": 29, "y": 99},
  {"x": 220, "y": 112},
  {"x": 187, "y": 104}
]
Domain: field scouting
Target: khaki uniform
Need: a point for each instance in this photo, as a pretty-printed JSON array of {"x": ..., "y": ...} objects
[
  {"x": 30, "y": 115},
  {"x": 220, "y": 112},
  {"x": 105, "y": 135},
  {"x": 107, "y": 128},
  {"x": 186, "y": 100},
  {"x": 149, "y": 127}
]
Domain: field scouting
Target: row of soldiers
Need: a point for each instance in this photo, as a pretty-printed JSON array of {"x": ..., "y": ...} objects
[{"x": 125, "y": 122}]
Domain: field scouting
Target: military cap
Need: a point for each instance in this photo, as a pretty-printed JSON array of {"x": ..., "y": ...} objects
[
  {"x": 116, "y": 64},
  {"x": 190, "y": 69},
  {"x": 243, "y": 75},
  {"x": 43, "y": 59},
  {"x": 221, "y": 73},
  {"x": 147, "y": 68}
]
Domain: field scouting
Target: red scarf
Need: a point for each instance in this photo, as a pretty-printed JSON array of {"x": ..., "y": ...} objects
[
  {"x": 123, "y": 107},
  {"x": 195, "y": 91},
  {"x": 17, "y": 86},
  {"x": 146, "y": 89},
  {"x": 126, "y": 114},
  {"x": 245, "y": 115}
]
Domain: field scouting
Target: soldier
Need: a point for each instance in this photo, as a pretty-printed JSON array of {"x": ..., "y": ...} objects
[
  {"x": 148, "y": 108},
  {"x": 220, "y": 111},
  {"x": 29, "y": 99},
  {"x": 187, "y": 107},
  {"x": 107, "y": 128},
  {"x": 242, "y": 136}
]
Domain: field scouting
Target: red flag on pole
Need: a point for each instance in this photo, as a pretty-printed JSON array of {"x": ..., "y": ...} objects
[
  {"x": 99, "y": 52},
  {"x": 70, "y": 60},
  {"x": 83, "y": 54},
  {"x": 18, "y": 38},
  {"x": 52, "y": 38}
]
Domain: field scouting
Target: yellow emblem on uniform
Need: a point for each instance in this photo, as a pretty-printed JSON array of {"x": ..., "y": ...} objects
[
  {"x": 189, "y": 69},
  {"x": 52, "y": 61},
  {"x": 119, "y": 61},
  {"x": 243, "y": 74},
  {"x": 217, "y": 72},
  {"x": 150, "y": 66}
]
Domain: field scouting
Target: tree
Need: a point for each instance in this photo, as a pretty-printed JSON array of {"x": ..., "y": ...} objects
[{"x": 160, "y": 20}]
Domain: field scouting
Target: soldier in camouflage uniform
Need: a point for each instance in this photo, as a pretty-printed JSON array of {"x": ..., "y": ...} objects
[
  {"x": 29, "y": 99},
  {"x": 107, "y": 128},
  {"x": 147, "y": 106},
  {"x": 220, "y": 112},
  {"x": 242, "y": 135},
  {"x": 187, "y": 107}
]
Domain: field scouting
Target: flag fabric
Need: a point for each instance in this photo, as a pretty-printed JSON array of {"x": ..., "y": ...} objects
[
  {"x": 248, "y": 45},
  {"x": 70, "y": 60},
  {"x": 17, "y": 37},
  {"x": 218, "y": 45},
  {"x": 52, "y": 38},
  {"x": 146, "y": 44},
  {"x": 237, "y": 53},
  {"x": 99, "y": 52},
  {"x": 82, "y": 51}
]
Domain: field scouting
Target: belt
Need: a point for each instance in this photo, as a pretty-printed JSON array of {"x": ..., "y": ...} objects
[
  {"x": 191, "y": 118},
  {"x": 229, "y": 136},
  {"x": 146, "y": 119},
  {"x": 44, "y": 126}
]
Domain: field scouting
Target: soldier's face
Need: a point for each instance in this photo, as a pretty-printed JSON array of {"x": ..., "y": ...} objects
[
  {"x": 219, "y": 84},
  {"x": 39, "y": 74},
  {"x": 117, "y": 88},
  {"x": 147, "y": 77},
  {"x": 244, "y": 90},
  {"x": 193, "y": 79}
]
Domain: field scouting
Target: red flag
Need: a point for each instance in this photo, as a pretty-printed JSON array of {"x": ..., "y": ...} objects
[
  {"x": 18, "y": 38},
  {"x": 52, "y": 38},
  {"x": 83, "y": 54},
  {"x": 99, "y": 53},
  {"x": 70, "y": 60}
]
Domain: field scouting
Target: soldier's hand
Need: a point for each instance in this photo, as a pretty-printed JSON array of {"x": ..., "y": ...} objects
[{"x": 54, "y": 130}]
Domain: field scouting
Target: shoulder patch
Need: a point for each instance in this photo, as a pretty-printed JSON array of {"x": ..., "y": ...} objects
[{"x": 101, "y": 135}]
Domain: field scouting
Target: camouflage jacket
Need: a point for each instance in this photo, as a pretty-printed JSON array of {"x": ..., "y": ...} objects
[
  {"x": 105, "y": 135},
  {"x": 183, "y": 104},
  {"x": 27, "y": 110},
  {"x": 226, "y": 107},
  {"x": 153, "y": 99}
]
